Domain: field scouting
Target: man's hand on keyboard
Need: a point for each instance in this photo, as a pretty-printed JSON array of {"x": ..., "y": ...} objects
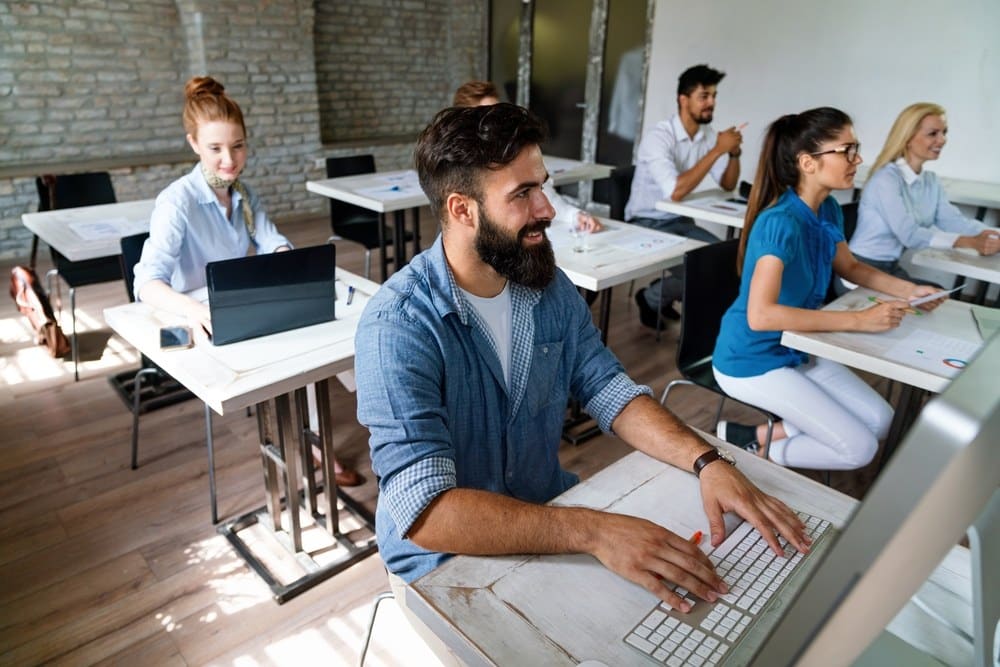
[
  {"x": 650, "y": 555},
  {"x": 725, "y": 489}
]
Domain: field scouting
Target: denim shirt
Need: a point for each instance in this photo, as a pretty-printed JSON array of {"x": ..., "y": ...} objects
[
  {"x": 188, "y": 229},
  {"x": 431, "y": 392},
  {"x": 806, "y": 244}
]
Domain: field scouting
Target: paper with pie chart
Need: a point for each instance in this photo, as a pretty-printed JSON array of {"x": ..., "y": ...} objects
[{"x": 934, "y": 352}]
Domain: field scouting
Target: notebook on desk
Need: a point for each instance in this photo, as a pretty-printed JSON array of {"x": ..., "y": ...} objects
[{"x": 255, "y": 296}]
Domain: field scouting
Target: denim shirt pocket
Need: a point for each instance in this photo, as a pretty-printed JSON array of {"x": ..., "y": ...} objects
[{"x": 543, "y": 376}]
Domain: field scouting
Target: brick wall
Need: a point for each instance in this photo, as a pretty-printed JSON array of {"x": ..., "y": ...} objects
[{"x": 87, "y": 80}]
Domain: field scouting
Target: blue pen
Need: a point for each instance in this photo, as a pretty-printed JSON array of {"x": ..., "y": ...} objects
[{"x": 350, "y": 294}]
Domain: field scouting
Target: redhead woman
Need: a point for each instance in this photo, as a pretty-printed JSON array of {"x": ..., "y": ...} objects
[{"x": 207, "y": 215}]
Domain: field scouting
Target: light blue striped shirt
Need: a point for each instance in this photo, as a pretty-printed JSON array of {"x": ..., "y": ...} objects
[{"x": 189, "y": 229}]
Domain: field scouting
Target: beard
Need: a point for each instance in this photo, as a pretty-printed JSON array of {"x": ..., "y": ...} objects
[
  {"x": 533, "y": 267},
  {"x": 705, "y": 117}
]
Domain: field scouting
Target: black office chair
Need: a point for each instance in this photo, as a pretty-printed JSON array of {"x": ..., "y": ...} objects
[
  {"x": 71, "y": 191},
  {"x": 710, "y": 287},
  {"x": 850, "y": 210},
  {"x": 356, "y": 223},
  {"x": 621, "y": 190},
  {"x": 150, "y": 387}
]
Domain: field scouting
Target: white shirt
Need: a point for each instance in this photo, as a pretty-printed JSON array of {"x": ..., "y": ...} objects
[
  {"x": 497, "y": 313},
  {"x": 664, "y": 154}
]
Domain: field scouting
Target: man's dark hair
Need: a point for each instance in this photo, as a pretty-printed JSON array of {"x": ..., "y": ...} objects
[
  {"x": 461, "y": 142},
  {"x": 699, "y": 75}
]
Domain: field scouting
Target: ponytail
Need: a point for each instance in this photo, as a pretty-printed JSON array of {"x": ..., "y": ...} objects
[{"x": 778, "y": 168}]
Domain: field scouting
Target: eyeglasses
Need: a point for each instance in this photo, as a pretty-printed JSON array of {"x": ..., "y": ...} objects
[{"x": 850, "y": 151}]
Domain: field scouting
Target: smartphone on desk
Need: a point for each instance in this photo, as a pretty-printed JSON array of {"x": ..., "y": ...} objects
[{"x": 175, "y": 338}]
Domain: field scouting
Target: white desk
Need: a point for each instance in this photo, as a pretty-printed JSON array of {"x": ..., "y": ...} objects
[
  {"x": 899, "y": 354},
  {"x": 560, "y": 610},
  {"x": 399, "y": 191},
  {"x": 885, "y": 353},
  {"x": 254, "y": 372},
  {"x": 90, "y": 232},
  {"x": 710, "y": 206},
  {"x": 960, "y": 261}
]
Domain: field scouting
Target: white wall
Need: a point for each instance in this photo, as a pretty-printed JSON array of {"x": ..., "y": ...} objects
[{"x": 870, "y": 58}]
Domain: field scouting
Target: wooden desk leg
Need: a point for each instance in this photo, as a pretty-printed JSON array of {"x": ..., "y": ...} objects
[
  {"x": 326, "y": 445},
  {"x": 290, "y": 455},
  {"x": 272, "y": 495}
]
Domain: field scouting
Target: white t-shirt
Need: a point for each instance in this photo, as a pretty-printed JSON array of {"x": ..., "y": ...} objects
[{"x": 497, "y": 313}]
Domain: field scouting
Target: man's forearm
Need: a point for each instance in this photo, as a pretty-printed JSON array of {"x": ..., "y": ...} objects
[
  {"x": 731, "y": 176},
  {"x": 476, "y": 522},
  {"x": 691, "y": 178},
  {"x": 654, "y": 430}
]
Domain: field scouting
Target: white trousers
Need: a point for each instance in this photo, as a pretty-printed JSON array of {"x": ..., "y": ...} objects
[{"x": 833, "y": 419}]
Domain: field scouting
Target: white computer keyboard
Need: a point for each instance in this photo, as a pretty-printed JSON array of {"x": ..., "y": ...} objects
[{"x": 709, "y": 631}]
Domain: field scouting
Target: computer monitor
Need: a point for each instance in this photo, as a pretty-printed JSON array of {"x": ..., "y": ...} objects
[{"x": 944, "y": 475}]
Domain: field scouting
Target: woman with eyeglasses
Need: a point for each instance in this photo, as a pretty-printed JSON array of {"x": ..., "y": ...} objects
[
  {"x": 903, "y": 205},
  {"x": 792, "y": 241}
]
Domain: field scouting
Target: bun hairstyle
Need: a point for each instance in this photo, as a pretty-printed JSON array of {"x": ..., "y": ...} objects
[
  {"x": 205, "y": 101},
  {"x": 778, "y": 168}
]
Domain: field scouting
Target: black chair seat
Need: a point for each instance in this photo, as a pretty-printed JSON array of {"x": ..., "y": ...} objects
[{"x": 88, "y": 271}]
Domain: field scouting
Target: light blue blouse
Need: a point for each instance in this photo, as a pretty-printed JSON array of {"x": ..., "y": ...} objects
[
  {"x": 189, "y": 229},
  {"x": 901, "y": 209}
]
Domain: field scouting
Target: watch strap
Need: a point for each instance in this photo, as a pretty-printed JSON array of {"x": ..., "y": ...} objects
[{"x": 706, "y": 458}]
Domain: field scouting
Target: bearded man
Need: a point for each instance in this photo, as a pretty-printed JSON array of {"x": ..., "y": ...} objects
[{"x": 465, "y": 361}]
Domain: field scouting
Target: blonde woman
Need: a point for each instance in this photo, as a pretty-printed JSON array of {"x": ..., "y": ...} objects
[{"x": 903, "y": 205}]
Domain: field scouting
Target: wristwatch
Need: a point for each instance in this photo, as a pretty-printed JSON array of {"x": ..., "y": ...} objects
[{"x": 713, "y": 454}]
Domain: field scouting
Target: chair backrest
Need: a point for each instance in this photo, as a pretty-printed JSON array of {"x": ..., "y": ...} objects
[
  {"x": 850, "y": 210},
  {"x": 131, "y": 253},
  {"x": 72, "y": 190},
  {"x": 710, "y": 287},
  {"x": 621, "y": 189},
  {"x": 342, "y": 213}
]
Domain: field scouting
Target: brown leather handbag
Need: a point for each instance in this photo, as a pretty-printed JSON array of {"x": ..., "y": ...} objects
[{"x": 34, "y": 304}]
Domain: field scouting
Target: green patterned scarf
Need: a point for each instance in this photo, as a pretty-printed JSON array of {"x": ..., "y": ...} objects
[{"x": 216, "y": 182}]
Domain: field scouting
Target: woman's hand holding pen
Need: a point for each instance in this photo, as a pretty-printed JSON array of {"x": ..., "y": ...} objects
[{"x": 884, "y": 315}]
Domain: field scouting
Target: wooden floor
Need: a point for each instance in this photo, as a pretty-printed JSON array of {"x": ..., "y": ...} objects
[{"x": 100, "y": 563}]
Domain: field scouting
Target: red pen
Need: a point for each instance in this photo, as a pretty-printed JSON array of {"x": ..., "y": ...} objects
[{"x": 696, "y": 538}]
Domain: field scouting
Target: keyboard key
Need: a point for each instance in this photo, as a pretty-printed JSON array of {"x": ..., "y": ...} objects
[
  {"x": 640, "y": 644},
  {"x": 660, "y": 654},
  {"x": 654, "y": 619},
  {"x": 675, "y": 662}
]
